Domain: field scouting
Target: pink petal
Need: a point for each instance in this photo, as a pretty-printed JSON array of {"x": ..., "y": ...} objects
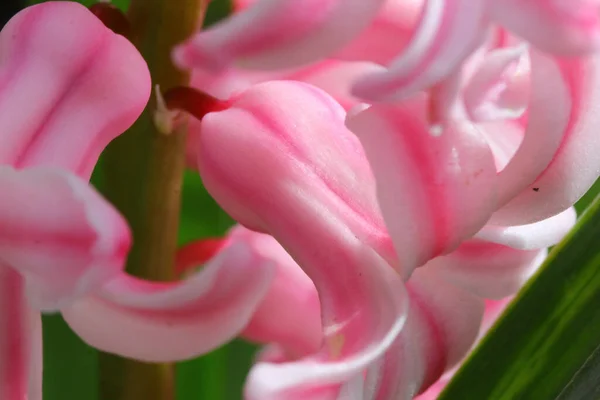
[
  {"x": 499, "y": 88},
  {"x": 20, "y": 341},
  {"x": 293, "y": 131},
  {"x": 387, "y": 35},
  {"x": 449, "y": 30},
  {"x": 298, "y": 332},
  {"x": 493, "y": 309},
  {"x": 537, "y": 235},
  {"x": 488, "y": 270},
  {"x": 177, "y": 320},
  {"x": 276, "y": 34},
  {"x": 563, "y": 27},
  {"x": 443, "y": 322},
  {"x": 434, "y": 191},
  {"x": 351, "y": 345},
  {"x": 298, "y": 174},
  {"x": 504, "y": 139},
  {"x": 336, "y": 78},
  {"x": 59, "y": 234},
  {"x": 68, "y": 86},
  {"x": 556, "y": 163}
]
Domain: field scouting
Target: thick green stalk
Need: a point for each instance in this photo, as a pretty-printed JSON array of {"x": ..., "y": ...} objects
[{"x": 143, "y": 172}]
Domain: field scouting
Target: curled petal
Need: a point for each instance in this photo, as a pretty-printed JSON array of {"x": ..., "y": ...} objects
[
  {"x": 59, "y": 234},
  {"x": 499, "y": 88},
  {"x": 556, "y": 163},
  {"x": 488, "y": 270},
  {"x": 276, "y": 34},
  {"x": 537, "y": 235},
  {"x": 562, "y": 27},
  {"x": 351, "y": 347},
  {"x": 493, "y": 309},
  {"x": 449, "y": 30},
  {"x": 68, "y": 86},
  {"x": 298, "y": 174},
  {"x": 298, "y": 332},
  {"x": 443, "y": 322},
  {"x": 20, "y": 341},
  {"x": 177, "y": 320},
  {"x": 434, "y": 191},
  {"x": 272, "y": 322}
]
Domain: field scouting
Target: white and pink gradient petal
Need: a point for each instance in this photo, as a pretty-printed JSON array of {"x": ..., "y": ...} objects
[
  {"x": 178, "y": 320},
  {"x": 434, "y": 192},
  {"x": 488, "y": 270},
  {"x": 348, "y": 351},
  {"x": 443, "y": 321},
  {"x": 62, "y": 104},
  {"x": 60, "y": 234},
  {"x": 387, "y": 35},
  {"x": 537, "y": 235},
  {"x": 278, "y": 34},
  {"x": 499, "y": 88},
  {"x": 561, "y": 27},
  {"x": 448, "y": 32},
  {"x": 555, "y": 164}
]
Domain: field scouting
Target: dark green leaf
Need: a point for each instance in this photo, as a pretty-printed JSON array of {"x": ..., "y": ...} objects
[{"x": 586, "y": 383}]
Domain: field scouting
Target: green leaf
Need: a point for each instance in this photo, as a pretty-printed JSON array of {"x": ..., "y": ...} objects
[
  {"x": 586, "y": 383},
  {"x": 549, "y": 331}
]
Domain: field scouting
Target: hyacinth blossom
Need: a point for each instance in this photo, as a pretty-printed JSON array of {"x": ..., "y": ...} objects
[
  {"x": 385, "y": 226},
  {"x": 276, "y": 34},
  {"x": 60, "y": 105},
  {"x": 70, "y": 86},
  {"x": 513, "y": 155},
  {"x": 402, "y": 233}
]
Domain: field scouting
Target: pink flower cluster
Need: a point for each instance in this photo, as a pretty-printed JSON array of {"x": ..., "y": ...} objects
[{"x": 398, "y": 169}]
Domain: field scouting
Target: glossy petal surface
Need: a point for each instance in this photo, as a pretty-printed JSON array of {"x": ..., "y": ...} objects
[
  {"x": 61, "y": 235},
  {"x": 434, "y": 191},
  {"x": 276, "y": 34},
  {"x": 177, "y": 320}
]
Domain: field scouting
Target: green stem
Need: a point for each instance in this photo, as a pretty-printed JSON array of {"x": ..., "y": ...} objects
[{"x": 143, "y": 172}]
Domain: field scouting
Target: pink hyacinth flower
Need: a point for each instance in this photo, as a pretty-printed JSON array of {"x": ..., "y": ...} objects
[
  {"x": 64, "y": 94},
  {"x": 422, "y": 42},
  {"x": 448, "y": 30},
  {"x": 298, "y": 174},
  {"x": 543, "y": 161}
]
